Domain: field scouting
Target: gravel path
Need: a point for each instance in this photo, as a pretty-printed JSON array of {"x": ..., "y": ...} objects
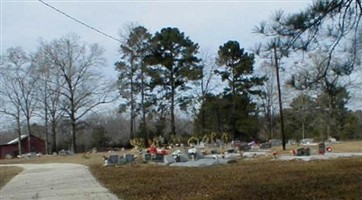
[{"x": 54, "y": 181}]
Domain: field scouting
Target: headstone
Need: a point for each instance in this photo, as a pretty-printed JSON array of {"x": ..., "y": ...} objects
[
  {"x": 292, "y": 142},
  {"x": 201, "y": 145},
  {"x": 113, "y": 159},
  {"x": 300, "y": 152},
  {"x": 332, "y": 140},
  {"x": 158, "y": 158},
  {"x": 177, "y": 152},
  {"x": 130, "y": 158},
  {"x": 194, "y": 153},
  {"x": 322, "y": 148},
  {"x": 235, "y": 144},
  {"x": 183, "y": 157},
  {"x": 31, "y": 155},
  {"x": 219, "y": 142},
  {"x": 275, "y": 142},
  {"x": 306, "y": 141},
  {"x": 62, "y": 152},
  {"x": 168, "y": 159},
  {"x": 244, "y": 147},
  {"x": 146, "y": 157},
  {"x": 199, "y": 154},
  {"x": 252, "y": 144},
  {"x": 69, "y": 152},
  {"x": 266, "y": 145},
  {"x": 307, "y": 151}
]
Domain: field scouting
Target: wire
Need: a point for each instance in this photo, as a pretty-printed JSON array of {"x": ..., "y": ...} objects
[{"x": 80, "y": 22}]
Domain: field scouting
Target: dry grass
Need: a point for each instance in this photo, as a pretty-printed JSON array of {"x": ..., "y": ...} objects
[
  {"x": 85, "y": 159},
  {"x": 335, "y": 179},
  {"x": 7, "y": 173},
  {"x": 352, "y": 146},
  {"x": 348, "y": 146},
  {"x": 258, "y": 179}
]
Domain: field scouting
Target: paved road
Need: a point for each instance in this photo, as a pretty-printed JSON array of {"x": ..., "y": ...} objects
[{"x": 54, "y": 181}]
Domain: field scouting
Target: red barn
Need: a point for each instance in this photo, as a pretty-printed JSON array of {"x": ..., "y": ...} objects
[{"x": 12, "y": 148}]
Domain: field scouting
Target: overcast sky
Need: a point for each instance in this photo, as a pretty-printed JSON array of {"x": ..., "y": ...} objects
[{"x": 209, "y": 23}]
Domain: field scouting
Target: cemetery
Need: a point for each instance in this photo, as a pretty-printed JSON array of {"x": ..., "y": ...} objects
[
  {"x": 262, "y": 169},
  {"x": 205, "y": 154},
  {"x": 256, "y": 100},
  {"x": 211, "y": 171}
]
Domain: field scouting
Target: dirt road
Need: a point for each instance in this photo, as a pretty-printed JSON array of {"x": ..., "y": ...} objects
[{"x": 54, "y": 181}]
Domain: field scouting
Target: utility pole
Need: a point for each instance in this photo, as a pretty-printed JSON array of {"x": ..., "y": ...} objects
[{"x": 280, "y": 96}]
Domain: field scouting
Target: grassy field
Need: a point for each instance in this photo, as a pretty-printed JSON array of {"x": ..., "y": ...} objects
[
  {"x": 336, "y": 179},
  {"x": 247, "y": 179}
]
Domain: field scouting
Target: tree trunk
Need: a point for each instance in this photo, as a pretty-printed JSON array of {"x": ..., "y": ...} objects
[
  {"x": 29, "y": 134},
  {"x": 46, "y": 118},
  {"x": 173, "y": 128},
  {"x": 132, "y": 135},
  {"x": 280, "y": 98},
  {"x": 329, "y": 116},
  {"x": 19, "y": 133},
  {"x": 73, "y": 126},
  {"x": 46, "y": 128},
  {"x": 203, "y": 121},
  {"x": 233, "y": 113},
  {"x": 73, "y": 131},
  {"x": 132, "y": 115},
  {"x": 144, "y": 125},
  {"x": 54, "y": 134}
]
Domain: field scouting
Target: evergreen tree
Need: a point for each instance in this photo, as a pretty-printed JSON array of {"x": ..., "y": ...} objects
[
  {"x": 236, "y": 68},
  {"x": 132, "y": 79},
  {"x": 175, "y": 66}
]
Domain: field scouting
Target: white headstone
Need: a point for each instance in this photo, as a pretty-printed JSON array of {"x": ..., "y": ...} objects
[{"x": 169, "y": 159}]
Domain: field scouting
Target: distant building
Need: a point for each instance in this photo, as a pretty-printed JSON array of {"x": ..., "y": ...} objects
[{"x": 12, "y": 148}]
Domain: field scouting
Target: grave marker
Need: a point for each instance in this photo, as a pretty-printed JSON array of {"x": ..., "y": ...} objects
[
  {"x": 168, "y": 159},
  {"x": 113, "y": 159},
  {"x": 130, "y": 158},
  {"x": 266, "y": 145}
]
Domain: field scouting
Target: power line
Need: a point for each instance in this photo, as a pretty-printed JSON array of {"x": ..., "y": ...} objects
[{"x": 80, "y": 22}]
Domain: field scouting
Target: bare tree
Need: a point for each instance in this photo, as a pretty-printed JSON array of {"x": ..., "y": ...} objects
[
  {"x": 49, "y": 87},
  {"x": 269, "y": 97},
  {"x": 205, "y": 86},
  {"x": 79, "y": 66},
  {"x": 326, "y": 76},
  {"x": 132, "y": 78},
  {"x": 11, "y": 102},
  {"x": 19, "y": 84}
]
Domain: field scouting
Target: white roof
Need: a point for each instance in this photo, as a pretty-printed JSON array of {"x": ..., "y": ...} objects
[{"x": 16, "y": 140}]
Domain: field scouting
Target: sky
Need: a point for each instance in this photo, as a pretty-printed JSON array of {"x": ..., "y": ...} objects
[{"x": 208, "y": 23}]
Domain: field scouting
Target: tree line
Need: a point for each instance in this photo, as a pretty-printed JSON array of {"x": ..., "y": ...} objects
[{"x": 162, "y": 75}]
